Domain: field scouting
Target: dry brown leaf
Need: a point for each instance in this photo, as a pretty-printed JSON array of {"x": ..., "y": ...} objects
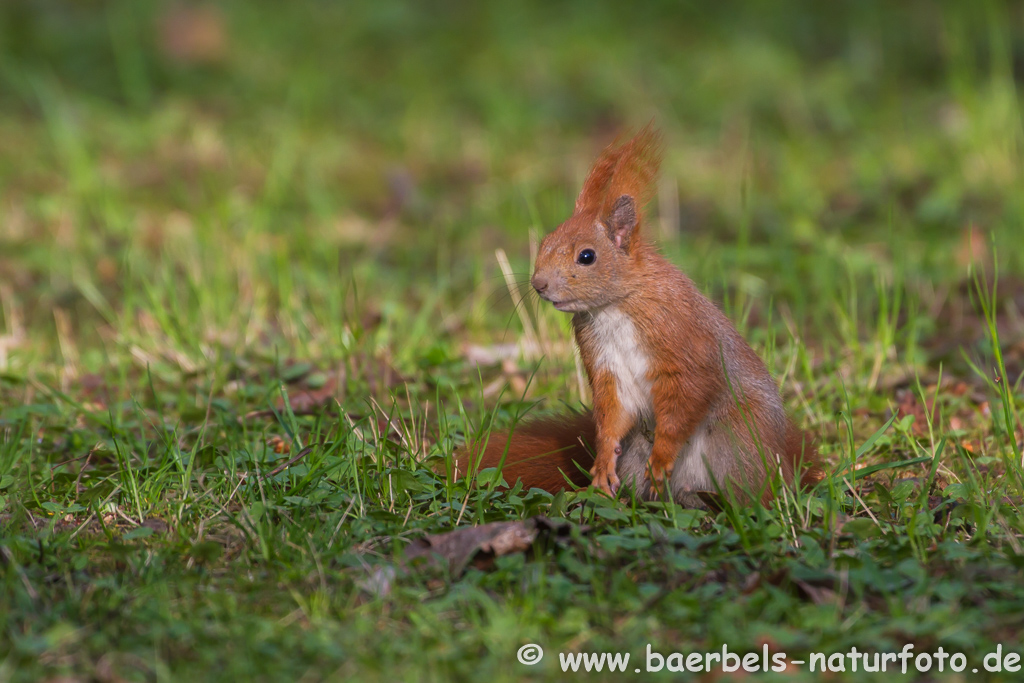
[
  {"x": 907, "y": 404},
  {"x": 193, "y": 34},
  {"x": 278, "y": 445},
  {"x": 304, "y": 399},
  {"x": 481, "y": 544},
  {"x": 458, "y": 547},
  {"x": 819, "y": 595}
]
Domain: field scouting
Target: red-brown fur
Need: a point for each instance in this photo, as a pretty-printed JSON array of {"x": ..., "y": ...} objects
[
  {"x": 678, "y": 360},
  {"x": 542, "y": 453}
]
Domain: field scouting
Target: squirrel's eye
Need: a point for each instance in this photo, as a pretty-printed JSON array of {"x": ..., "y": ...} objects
[{"x": 586, "y": 257}]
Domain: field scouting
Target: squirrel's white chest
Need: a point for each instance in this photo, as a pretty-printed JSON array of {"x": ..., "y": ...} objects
[{"x": 618, "y": 350}]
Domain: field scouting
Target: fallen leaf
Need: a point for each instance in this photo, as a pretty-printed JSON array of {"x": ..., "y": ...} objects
[
  {"x": 193, "y": 34},
  {"x": 460, "y": 546},
  {"x": 751, "y": 583},
  {"x": 819, "y": 590},
  {"x": 156, "y": 524},
  {"x": 483, "y": 543},
  {"x": 819, "y": 595},
  {"x": 907, "y": 404},
  {"x": 278, "y": 444},
  {"x": 304, "y": 398}
]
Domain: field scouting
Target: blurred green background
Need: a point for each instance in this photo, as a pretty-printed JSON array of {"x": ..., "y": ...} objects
[{"x": 257, "y": 165}]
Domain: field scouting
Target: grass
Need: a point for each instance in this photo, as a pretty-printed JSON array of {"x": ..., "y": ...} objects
[{"x": 250, "y": 302}]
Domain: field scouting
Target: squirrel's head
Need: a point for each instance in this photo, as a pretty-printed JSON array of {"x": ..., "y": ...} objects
[{"x": 591, "y": 260}]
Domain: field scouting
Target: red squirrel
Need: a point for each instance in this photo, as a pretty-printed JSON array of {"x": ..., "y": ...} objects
[{"x": 680, "y": 398}]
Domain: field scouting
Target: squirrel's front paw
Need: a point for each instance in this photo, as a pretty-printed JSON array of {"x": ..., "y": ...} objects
[
  {"x": 605, "y": 480},
  {"x": 657, "y": 473}
]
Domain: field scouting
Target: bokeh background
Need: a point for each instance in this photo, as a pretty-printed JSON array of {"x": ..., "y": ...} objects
[{"x": 320, "y": 175}]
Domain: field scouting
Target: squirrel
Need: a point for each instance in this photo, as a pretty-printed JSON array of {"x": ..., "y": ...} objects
[{"x": 681, "y": 403}]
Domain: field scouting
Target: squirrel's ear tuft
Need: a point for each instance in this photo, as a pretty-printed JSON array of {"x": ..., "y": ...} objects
[
  {"x": 626, "y": 171},
  {"x": 595, "y": 187},
  {"x": 621, "y": 221}
]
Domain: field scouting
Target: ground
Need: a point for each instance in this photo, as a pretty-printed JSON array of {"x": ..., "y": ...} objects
[{"x": 262, "y": 269}]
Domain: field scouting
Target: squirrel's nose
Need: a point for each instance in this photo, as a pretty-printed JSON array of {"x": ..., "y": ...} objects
[{"x": 540, "y": 283}]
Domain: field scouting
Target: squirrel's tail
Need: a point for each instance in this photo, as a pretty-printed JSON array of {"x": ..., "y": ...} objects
[
  {"x": 803, "y": 457},
  {"x": 547, "y": 453}
]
